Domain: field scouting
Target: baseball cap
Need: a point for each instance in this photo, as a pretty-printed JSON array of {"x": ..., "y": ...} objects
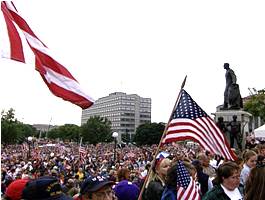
[
  {"x": 46, "y": 187},
  {"x": 92, "y": 184},
  {"x": 14, "y": 190}
]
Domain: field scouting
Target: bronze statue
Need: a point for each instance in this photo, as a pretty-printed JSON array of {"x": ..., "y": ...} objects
[
  {"x": 234, "y": 128},
  {"x": 221, "y": 125},
  {"x": 232, "y": 97}
]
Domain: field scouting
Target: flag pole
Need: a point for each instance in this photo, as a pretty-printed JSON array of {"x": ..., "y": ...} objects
[
  {"x": 80, "y": 144},
  {"x": 160, "y": 142}
]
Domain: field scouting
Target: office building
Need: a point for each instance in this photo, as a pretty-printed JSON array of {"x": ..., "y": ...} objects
[{"x": 125, "y": 111}]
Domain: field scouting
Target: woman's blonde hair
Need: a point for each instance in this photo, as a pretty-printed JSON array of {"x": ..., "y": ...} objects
[{"x": 248, "y": 154}]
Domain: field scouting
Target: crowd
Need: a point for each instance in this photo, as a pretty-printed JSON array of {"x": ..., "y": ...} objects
[{"x": 59, "y": 170}]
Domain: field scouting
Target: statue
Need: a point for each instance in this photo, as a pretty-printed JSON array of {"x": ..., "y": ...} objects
[
  {"x": 234, "y": 128},
  {"x": 221, "y": 125},
  {"x": 232, "y": 97}
]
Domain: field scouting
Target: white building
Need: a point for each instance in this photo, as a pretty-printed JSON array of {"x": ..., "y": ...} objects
[{"x": 125, "y": 111}]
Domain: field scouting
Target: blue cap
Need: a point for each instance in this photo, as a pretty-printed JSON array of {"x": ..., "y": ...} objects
[
  {"x": 44, "y": 188},
  {"x": 92, "y": 184}
]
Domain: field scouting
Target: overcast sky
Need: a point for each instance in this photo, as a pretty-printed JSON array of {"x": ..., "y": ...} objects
[{"x": 138, "y": 47}]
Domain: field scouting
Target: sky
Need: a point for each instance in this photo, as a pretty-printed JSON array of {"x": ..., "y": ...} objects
[{"x": 143, "y": 47}]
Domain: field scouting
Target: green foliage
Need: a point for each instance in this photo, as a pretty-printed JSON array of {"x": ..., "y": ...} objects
[
  {"x": 8, "y": 127},
  {"x": 256, "y": 104},
  {"x": 13, "y": 131},
  {"x": 96, "y": 129},
  {"x": 149, "y": 133},
  {"x": 65, "y": 132},
  {"x": 24, "y": 131}
]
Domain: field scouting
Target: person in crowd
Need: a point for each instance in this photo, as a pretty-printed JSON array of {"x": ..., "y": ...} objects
[
  {"x": 250, "y": 160},
  {"x": 191, "y": 169},
  {"x": 15, "y": 189},
  {"x": 112, "y": 175},
  {"x": 228, "y": 174},
  {"x": 70, "y": 189},
  {"x": 125, "y": 190},
  {"x": 156, "y": 183},
  {"x": 170, "y": 191},
  {"x": 207, "y": 168},
  {"x": 261, "y": 160},
  {"x": 255, "y": 185},
  {"x": 96, "y": 188},
  {"x": 202, "y": 178},
  {"x": 44, "y": 188},
  {"x": 80, "y": 174},
  {"x": 261, "y": 149}
]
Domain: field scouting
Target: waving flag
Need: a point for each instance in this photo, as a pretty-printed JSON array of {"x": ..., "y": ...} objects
[
  {"x": 186, "y": 186},
  {"x": 58, "y": 79},
  {"x": 190, "y": 122},
  {"x": 82, "y": 154}
]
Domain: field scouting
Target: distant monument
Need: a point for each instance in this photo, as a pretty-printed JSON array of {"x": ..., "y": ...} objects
[
  {"x": 230, "y": 117},
  {"x": 232, "y": 97}
]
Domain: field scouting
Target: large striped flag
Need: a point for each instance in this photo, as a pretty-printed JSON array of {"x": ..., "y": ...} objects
[
  {"x": 190, "y": 122},
  {"x": 58, "y": 79},
  {"x": 186, "y": 186}
]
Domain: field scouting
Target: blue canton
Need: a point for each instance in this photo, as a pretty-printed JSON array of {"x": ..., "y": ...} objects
[
  {"x": 188, "y": 108},
  {"x": 183, "y": 176}
]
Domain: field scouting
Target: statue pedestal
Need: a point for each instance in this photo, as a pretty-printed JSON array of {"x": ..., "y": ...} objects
[{"x": 242, "y": 116}]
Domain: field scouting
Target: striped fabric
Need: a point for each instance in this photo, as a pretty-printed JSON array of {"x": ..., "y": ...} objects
[
  {"x": 190, "y": 122},
  {"x": 58, "y": 79},
  {"x": 186, "y": 186}
]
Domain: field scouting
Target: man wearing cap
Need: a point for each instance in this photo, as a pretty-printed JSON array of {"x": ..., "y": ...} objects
[
  {"x": 96, "y": 188},
  {"x": 44, "y": 188}
]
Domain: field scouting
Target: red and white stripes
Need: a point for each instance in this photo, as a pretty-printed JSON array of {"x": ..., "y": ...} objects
[{"x": 58, "y": 79}]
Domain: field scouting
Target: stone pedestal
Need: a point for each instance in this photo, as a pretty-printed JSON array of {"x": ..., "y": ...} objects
[{"x": 242, "y": 116}]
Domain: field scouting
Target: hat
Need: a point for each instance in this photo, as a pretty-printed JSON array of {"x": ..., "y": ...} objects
[
  {"x": 14, "y": 190},
  {"x": 160, "y": 157},
  {"x": 46, "y": 187},
  {"x": 126, "y": 190},
  {"x": 92, "y": 184}
]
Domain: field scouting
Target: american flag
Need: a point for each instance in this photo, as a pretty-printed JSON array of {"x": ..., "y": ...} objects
[
  {"x": 186, "y": 186},
  {"x": 58, "y": 79},
  {"x": 25, "y": 147},
  {"x": 82, "y": 150},
  {"x": 190, "y": 122},
  {"x": 82, "y": 154}
]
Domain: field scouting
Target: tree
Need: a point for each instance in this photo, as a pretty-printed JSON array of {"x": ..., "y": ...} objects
[
  {"x": 96, "y": 129},
  {"x": 149, "y": 133},
  {"x": 24, "y": 131},
  {"x": 65, "y": 132},
  {"x": 13, "y": 131},
  {"x": 9, "y": 132},
  {"x": 256, "y": 104}
]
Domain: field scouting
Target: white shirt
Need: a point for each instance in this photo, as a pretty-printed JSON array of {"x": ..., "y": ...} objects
[
  {"x": 244, "y": 174},
  {"x": 233, "y": 195}
]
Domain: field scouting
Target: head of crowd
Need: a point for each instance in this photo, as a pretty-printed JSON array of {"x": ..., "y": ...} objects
[{"x": 59, "y": 171}]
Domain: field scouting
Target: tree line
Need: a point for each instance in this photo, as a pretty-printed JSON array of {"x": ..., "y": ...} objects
[
  {"x": 95, "y": 130},
  {"x": 98, "y": 129}
]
